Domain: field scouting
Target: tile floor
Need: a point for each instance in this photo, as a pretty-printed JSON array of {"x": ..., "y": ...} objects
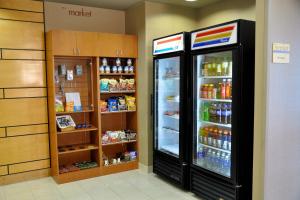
[{"x": 132, "y": 185}]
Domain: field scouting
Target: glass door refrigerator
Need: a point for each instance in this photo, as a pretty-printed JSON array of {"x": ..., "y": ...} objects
[
  {"x": 169, "y": 108},
  {"x": 222, "y": 107}
]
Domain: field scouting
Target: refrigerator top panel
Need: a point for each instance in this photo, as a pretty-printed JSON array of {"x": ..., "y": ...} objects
[
  {"x": 169, "y": 44},
  {"x": 222, "y": 35}
]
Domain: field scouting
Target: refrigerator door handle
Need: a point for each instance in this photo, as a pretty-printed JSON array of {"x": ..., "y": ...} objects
[{"x": 238, "y": 186}]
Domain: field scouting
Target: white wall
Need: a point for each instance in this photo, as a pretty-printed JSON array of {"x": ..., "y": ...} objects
[
  {"x": 101, "y": 20},
  {"x": 282, "y": 155}
]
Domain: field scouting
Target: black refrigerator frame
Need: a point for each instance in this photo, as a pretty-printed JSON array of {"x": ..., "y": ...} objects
[
  {"x": 207, "y": 184},
  {"x": 173, "y": 169}
]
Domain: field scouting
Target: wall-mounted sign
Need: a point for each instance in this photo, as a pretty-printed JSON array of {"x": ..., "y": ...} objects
[
  {"x": 169, "y": 44},
  {"x": 281, "y": 53},
  {"x": 78, "y": 12},
  {"x": 214, "y": 37}
]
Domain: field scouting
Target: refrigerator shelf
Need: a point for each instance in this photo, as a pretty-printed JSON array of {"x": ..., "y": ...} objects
[
  {"x": 172, "y": 116},
  {"x": 217, "y": 100},
  {"x": 170, "y": 130},
  {"x": 171, "y": 78},
  {"x": 215, "y": 148},
  {"x": 216, "y": 77},
  {"x": 217, "y": 124}
]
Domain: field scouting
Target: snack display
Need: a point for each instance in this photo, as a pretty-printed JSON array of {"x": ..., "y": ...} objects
[
  {"x": 119, "y": 158},
  {"x": 77, "y": 166},
  {"x": 110, "y": 85},
  {"x": 65, "y": 123},
  {"x": 118, "y": 136}
]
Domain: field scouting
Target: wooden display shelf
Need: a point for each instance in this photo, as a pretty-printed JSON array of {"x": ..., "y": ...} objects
[
  {"x": 77, "y": 175},
  {"x": 118, "y": 74},
  {"x": 79, "y": 130},
  {"x": 116, "y": 143},
  {"x": 77, "y": 148},
  {"x": 83, "y": 111},
  {"x": 121, "y": 111},
  {"x": 124, "y": 166},
  {"x": 118, "y": 92}
]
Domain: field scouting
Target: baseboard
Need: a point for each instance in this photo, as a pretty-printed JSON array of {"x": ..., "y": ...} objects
[{"x": 145, "y": 168}]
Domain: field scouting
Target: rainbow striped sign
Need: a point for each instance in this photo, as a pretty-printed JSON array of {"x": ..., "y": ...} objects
[
  {"x": 218, "y": 36},
  {"x": 169, "y": 44}
]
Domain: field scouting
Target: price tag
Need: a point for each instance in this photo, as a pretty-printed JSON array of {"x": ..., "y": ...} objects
[{"x": 281, "y": 53}]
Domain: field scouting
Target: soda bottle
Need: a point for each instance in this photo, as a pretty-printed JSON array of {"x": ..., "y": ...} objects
[
  {"x": 223, "y": 156},
  {"x": 214, "y": 68},
  {"x": 214, "y": 94},
  {"x": 219, "y": 69},
  {"x": 212, "y": 112},
  {"x": 225, "y": 140},
  {"x": 219, "y": 113},
  {"x": 218, "y": 162},
  {"x": 224, "y": 113},
  {"x": 201, "y": 91},
  {"x": 213, "y": 160},
  {"x": 209, "y": 137},
  {"x": 227, "y": 165},
  {"x": 208, "y": 158},
  {"x": 205, "y": 69},
  {"x": 209, "y": 69},
  {"x": 205, "y": 112},
  {"x": 215, "y": 136},
  {"x": 228, "y": 89},
  {"x": 229, "y": 69},
  {"x": 205, "y": 91},
  {"x": 229, "y": 113},
  {"x": 201, "y": 130},
  {"x": 205, "y": 135},
  {"x": 224, "y": 70},
  {"x": 219, "y": 88},
  {"x": 200, "y": 156},
  {"x": 223, "y": 89},
  {"x": 229, "y": 141},
  {"x": 210, "y": 91},
  {"x": 219, "y": 140}
]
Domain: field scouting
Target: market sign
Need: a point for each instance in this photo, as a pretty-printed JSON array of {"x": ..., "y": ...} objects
[
  {"x": 169, "y": 44},
  {"x": 214, "y": 37}
]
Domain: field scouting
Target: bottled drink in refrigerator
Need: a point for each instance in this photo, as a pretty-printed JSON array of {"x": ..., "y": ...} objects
[
  {"x": 201, "y": 131},
  {"x": 213, "y": 160},
  {"x": 200, "y": 156},
  {"x": 218, "y": 162},
  {"x": 229, "y": 113},
  {"x": 215, "y": 135},
  {"x": 209, "y": 137},
  {"x": 224, "y": 114},
  {"x": 220, "y": 139},
  {"x": 223, "y": 89},
  {"x": 205, "y": 112},
  {"x": 212, "y": 112},
  {"x": 219, "y": 69},
  {"x": 225, "y": 67},
  {"x": 230, "y": 69},
  {"x": 223, "y": 170},
  {"x": 225, "y": 140},
  {"x": 229, "y": 141},
  {"x": 208, "y": 157},
  {"x": 227, "y": 165},
  {"x": 205, "y": 135},
  {"x": 228, "y": 89},
  {"x": 219, "y": 113}
]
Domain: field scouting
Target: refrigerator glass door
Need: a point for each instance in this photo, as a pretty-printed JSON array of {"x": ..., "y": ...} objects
[
  {"x": 167, "y": 101},
  {"x": 213, "y": 99}
]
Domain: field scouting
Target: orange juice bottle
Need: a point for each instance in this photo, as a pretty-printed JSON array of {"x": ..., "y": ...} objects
[{"x": 228, "y": 89}]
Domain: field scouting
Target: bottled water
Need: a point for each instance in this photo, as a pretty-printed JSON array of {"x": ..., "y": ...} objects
[
  {"x": 208, "y": 159},
  {"x": 218, "y": 162},
  {"x": 200, "y": 156},
  {"x": 227, "y": 165}
]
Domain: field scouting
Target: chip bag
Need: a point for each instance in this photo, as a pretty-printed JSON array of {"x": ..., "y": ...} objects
[
  {"x": 104, "y": 85},
  {"x": 130, "y": 103}
]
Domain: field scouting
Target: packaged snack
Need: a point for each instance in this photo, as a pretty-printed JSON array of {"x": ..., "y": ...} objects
[
  {"x": 113, "y": 85},
  {"x": 59, "y": 106},
  {"x": 105, "y": 139},
  {"x": 112, "y": 104},
  {"x": 130, "y": 103},
  {"x": 133, "y": 155},
  {"x": 114, "y": 69},
  {"x": 126, "y": 69},
  {"x": 103, "y": 106},
  {"x": 121, "y": 103},
  {"x": 65, "y": 123},
  {"x": 123, "y": 84},
  {"x": 120, "y": 69},
  {"x": 131, "y": 69},
  {"x": 130, "y": 84},
  {"x": 107, "y": 69},
  {"x": 101, "y": 69},
  {"x": 104, "y": 85}
]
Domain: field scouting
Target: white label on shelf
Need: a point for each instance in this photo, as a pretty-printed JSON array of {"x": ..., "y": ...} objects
[
  {"x": 281, "y": 53},
  {"x": 168, "y": 44},
  {"x": 214, "y": 37}
]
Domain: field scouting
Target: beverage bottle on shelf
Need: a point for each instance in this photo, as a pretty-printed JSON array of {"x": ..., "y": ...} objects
[
  {"x": 212, "y": 112},
  {"x": 205, "y": 91},
  {"x": 223, "y": 89},
  {"x": 201, "y": 130},
  {"x": 219, "y": 88},
  {"x": 220, "y": 139},
  {"x": 229, "y": 113},
  {"x": 222, "y": 164},
  {"x": 213, "y": 159},
  {"x": 201, "y": 91},
  {"x": 200, "y": 156},
  {"x": 218, "y": 161},
  {"x": 219, "y": 69},
  {"x": 205, "y": 112},
  {"x": 215, "y": 92},
  {"x": 225, "y": 140},
  {"x": 208, "y": 157},
  {"x": 209, "y": 69},
  {"x": 227, "y": 165},
  {"x": 215, "y": 136},
  {"x": 210, "y": 91},
  {"x": 205, "y": 135},
  {"x": 228, "y": 89},
  {"x": 209, "y": 137},
  {"x": 205, "y": 69},
  {"x": 224, "y": 113},
  {"x": 225, "y": 66},
  {"x": 229, "y": 141},
  {"x": 219, "y": 113},
  {"x": 214, "y": 68},
  {"x": 229, "y": 73}
]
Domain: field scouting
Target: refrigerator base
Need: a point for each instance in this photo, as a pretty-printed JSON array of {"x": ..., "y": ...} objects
[{"x": 171, "y": 169}]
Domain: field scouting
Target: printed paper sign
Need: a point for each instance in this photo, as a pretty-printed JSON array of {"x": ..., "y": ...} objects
[
  {"x": 169, "y": 44},
  {"x": 281, "y": 53}
]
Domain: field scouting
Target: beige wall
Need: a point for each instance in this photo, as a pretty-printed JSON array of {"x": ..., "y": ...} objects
[
  {"x": 101, "y": 20},
  {"x": 226, "y": 10}
]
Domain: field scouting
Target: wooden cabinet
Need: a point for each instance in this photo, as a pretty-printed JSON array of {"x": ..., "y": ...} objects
[
  {"x": 73, "y": 43},
  {"x": 77, "y": 43},
  {"x": 117, "y": 45}
]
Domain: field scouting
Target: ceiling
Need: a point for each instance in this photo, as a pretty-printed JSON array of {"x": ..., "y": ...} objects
[{"x": 124, "y": 4}]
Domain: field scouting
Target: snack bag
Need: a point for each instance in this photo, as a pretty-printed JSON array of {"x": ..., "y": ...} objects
[
  {"x": 123, "y": 84},
  {"x": 104, "y": 84},
  {"x": 121, "y": 103},
  {"x": 112, "y": 104},
  {"x": 130, "y": 84},
  {"x": 113, "y": 85},
  {"x": 130, "y": 103},
  {"x": 59, "y": 106},
  {"x": 103, "y": 106}
]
